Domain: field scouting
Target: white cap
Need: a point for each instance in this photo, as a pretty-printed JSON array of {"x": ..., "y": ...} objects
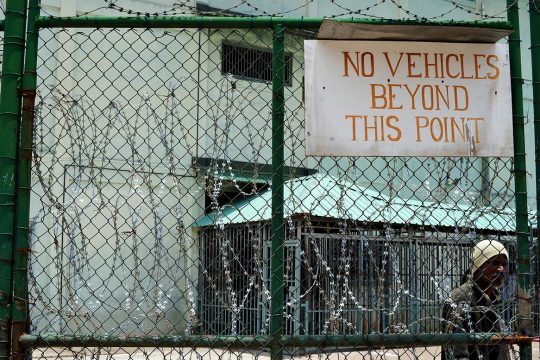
[{"x": 485, "y": 250}]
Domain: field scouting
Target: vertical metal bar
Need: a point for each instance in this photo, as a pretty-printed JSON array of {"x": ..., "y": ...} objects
[
  {"x": 534, "y": 18},
  {"x": 10, "y": 105},
  {"x": 523, "y": 265},
  {"x": 278, "y": 223},
  {"x": 19, "y": 309},
  {"x": 413, "y": 275}
]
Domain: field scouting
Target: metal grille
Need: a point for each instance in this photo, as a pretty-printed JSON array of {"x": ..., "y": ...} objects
[
  {"x": 335, "y": 283},
  {"x": 251, "y": 64}
]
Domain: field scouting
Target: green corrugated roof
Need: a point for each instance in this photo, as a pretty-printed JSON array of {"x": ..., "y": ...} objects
[
  {"x": 328, "y": 196},
  {"x": 261, "y": 179}
]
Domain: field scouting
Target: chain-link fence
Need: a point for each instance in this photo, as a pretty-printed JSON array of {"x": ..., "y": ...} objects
[{"x": 154, "y": 231}]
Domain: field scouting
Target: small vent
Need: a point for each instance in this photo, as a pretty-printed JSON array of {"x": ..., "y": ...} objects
[{"x": 251, "y": 64}]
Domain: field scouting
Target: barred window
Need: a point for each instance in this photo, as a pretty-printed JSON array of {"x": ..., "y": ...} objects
[{"x": 252, "y": 64}]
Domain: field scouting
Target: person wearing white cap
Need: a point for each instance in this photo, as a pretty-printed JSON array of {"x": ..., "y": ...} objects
[{"x": 474, "y": 306}]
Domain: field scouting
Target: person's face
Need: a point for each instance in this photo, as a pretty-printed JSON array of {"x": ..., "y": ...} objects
[{"x": 493, "y": 271}]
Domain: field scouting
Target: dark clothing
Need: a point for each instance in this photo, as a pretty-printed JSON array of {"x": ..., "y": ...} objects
[{"x": 469, "y": 309}]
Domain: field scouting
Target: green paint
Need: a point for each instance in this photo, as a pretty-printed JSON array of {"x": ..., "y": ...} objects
[
  {"x": 520, "y": 171},
  {"x": 238, "y": 22},
  {"x": 534, "y": 17},
  {"x": 261, "y": 342},
  {"x": 278, "y": 223},
  {"x": 12, "y": 68},
  {"x": 19, "y": 310}
]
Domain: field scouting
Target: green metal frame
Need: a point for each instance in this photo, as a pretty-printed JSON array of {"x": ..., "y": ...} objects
[
  {"x": 19, "y": 309},
  {"x": 239, "y": 22},
  {"x": 10, "y": 106},
  {"x": 534, "y": 17},
  {"x": 278, "y": 223},
  {"x": 520, "y": 179},
  {"x": 264, "y": 342},
  {"x": 15, "y": 197}
]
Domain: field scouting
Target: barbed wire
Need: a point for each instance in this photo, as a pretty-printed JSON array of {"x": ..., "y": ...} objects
[
  {"x": 90, "y": 12},
  {"x": 238, "y": 9},
  {"x": 232, "y": 11},
  {"x": 357, "y": 11}
]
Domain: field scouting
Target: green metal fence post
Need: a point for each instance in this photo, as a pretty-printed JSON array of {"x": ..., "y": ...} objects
[
  {"x": 12, "y": 66},
  {"x": 278, "y": 230},
  {"x": 522, "y": 233},
  {"x": 19, "y": 310},
  {"x": 534, "y": 16},
  {"x": 261, "y": 22},
  {"x": 402, "y": 340}
]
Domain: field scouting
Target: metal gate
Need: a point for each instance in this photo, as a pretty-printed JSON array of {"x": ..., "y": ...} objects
[{"x": 158, "y": 201}]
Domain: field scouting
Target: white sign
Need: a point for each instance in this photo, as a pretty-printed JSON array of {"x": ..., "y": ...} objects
[{"x": 372, "y": 98}]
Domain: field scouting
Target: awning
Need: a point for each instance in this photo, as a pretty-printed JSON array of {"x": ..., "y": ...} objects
[
  {"x": 247, "y": 172},
  {"x": 327, "y": 196}
]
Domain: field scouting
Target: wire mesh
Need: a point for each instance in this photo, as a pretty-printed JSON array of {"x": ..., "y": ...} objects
[{"x": 151, "y": 205}]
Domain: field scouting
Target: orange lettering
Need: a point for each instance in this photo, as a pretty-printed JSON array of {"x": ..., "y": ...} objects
[
  {"x": 393, "y": 70},
  {"x": 440, "y": 96},
  {"x": 389, "y": 120},
  {"x": 434, "y": 65},
  {"x": 493, "y": 66},
  {"x": 476, "y": 132},
  {"x": 462, "y": 63},
  {"x": 392, "y": 96},
  {"x": 477, "y": 65},
  {"x": 457, "y": 97},
  {"x": 441, "y": 129},
  {"x": 371, "y": 64},
  {"x": 347, "y": 60},
  {"x": 455, "y": 126},
  {"x": 353, "y": 118},
  {"x": 418, "y": 126},
  {"x": 360, "y": 64},
  {"x": 424, "y": 97},
  {"x": 374, "y": 127},
  {"x": 412, "y": 65},
  {"x": 412, "y": 94},
  {"x": 450, "y": 75},
  {"x": 375, "y": 96}
]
